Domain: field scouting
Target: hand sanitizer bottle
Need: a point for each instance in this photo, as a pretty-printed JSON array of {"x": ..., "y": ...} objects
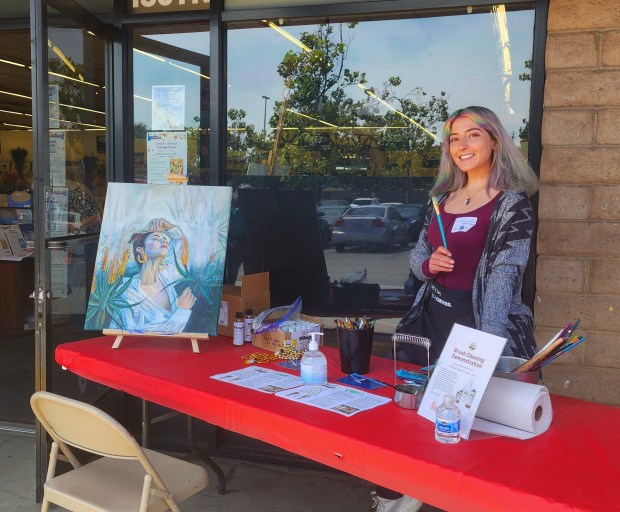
[{"x": 313, "y": 363}]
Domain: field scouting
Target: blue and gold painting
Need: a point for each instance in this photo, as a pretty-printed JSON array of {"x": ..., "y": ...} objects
[{"x": 160, "y": 260}]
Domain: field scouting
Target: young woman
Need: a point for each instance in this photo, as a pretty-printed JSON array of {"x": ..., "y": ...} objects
[{"x": 483, "y": 188}]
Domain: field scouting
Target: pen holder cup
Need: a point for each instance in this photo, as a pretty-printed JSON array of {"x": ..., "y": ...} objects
[
  {"x": 506, "y": 364},
  {"x": 355, "y": 347}
]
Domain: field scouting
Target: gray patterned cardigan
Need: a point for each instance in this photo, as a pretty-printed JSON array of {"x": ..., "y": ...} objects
[{"x": 496, "y": 295}]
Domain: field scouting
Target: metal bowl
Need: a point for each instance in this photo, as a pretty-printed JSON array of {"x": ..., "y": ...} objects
[
  {"x": 506, "y": 364},
  {"x": 407, "y": 396}
]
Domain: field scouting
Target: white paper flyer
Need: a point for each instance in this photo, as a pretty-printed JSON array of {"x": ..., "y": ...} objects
[
  {"x": 260, "y": 379},
  {"x": 329, "y": 397},
  {"x": 464, "y": 369},
  {"x": 168, "y": 107},
  {"x": 14, "y": 237},
  {"x": 5, "y": 248},
  {"x": 166, "y": 153},
  {"x": 335, "y": 398}
]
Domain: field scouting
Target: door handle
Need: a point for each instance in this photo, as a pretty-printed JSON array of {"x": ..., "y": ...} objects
[{"x": 73, "y": 241}]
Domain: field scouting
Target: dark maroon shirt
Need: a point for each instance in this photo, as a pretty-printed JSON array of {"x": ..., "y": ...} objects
[{"x": 465, "y": 234}]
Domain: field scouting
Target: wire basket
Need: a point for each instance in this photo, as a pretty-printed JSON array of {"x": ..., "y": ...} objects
[{"x": 411, "y": 340}]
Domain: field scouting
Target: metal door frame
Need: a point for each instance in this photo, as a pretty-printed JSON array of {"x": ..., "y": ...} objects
[{"x": 41, "y": 180}]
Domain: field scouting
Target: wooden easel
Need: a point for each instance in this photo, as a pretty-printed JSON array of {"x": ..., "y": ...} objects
[
  {"x": 193, "y": 337},
  {"x": 177, "y": 179}
]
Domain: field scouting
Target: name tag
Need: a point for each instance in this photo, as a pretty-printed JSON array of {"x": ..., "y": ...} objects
[{"x": 463, "y": 224}]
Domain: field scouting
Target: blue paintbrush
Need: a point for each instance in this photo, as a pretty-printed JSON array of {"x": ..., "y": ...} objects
[
  {"x": 565, "y": 349},
  {"x": 439, "y": 222}
]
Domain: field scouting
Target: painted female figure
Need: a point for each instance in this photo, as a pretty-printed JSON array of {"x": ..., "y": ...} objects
[{"x": 155, "y": 305}]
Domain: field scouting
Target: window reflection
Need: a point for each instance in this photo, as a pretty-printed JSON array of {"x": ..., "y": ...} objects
[
  {"x": 76, "y": 68},
  {"x": 77, "y": 168},
  {"x": 351, "y": 110}
]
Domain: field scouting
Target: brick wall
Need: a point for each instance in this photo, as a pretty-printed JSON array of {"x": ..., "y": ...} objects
[{"x": 578, "y": 264}]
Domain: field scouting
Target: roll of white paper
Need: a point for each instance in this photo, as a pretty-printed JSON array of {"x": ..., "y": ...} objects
[{"x": 514, "y": 409}]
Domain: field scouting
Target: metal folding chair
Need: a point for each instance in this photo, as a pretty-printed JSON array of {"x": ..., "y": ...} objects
[{"x": 126, "y": 477}]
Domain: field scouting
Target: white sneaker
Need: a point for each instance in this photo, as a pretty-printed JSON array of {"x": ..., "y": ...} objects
[{"x": 402, "y": 504}]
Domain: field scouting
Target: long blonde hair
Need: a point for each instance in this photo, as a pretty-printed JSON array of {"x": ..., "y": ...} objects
[{"x": 510, "y": 170}]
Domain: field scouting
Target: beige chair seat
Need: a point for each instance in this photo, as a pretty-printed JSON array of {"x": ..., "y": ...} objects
[
  {"x": 82, "y": 489},
  {"x": 127, "y": 477}
]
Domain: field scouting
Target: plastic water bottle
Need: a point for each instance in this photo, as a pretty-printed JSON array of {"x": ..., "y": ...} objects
[
  {"x": 448, "y": 421},
  {"x": 313, "y": 363}
]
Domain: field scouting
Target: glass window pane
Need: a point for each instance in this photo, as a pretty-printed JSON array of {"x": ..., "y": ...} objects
[
  {"x": 17, "y": 277},
  {"x": 76, "y": 67},
  {"x": 350, "y": 111},
  {"x": 171, "y": 103},
  {"x": 77, "y": 185},
  {"x": 15, "y": 114}
]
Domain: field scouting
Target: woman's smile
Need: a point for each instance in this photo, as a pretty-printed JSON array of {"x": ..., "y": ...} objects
[{"x": 471, "y": 146}]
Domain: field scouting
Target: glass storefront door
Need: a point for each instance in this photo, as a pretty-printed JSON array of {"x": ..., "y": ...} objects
[
  {"x": 72, "y": 182},
  {"x": 70, "y": 139},
  {"x": 171, "y": 99},
  {"x": 75, "y": 186}
]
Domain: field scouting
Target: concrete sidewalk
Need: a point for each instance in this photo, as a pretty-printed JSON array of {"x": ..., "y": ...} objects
[{"x": 250, "y": 487}]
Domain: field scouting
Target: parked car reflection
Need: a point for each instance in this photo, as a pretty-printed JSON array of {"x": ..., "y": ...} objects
[
  {"x": 331, "y": 214},
  {"x": 414, "y": 214},
  {"x": 324, "y": 228},
  {"x": 365, "y": 201},
  {"x": 379, "y": 225},
  {"x": 334, "y": 202}
]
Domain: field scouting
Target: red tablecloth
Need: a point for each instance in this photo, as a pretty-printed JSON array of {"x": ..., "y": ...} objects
[{"x": 573, "y": 466}]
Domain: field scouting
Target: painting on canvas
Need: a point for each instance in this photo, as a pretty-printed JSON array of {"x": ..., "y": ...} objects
[{"x": 160, "y": 259}]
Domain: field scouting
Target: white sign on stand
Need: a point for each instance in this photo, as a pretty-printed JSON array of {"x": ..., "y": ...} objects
[{"x": 464, "y": 369}]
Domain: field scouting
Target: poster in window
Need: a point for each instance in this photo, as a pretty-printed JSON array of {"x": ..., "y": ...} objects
[
  {"x": 166, "y": 154},
  {"x": 57, "y": 211},
  {"x": 54, "y": 105},
  {"x": 168, "y": 107},
  {"x": 58, "y": 159}
]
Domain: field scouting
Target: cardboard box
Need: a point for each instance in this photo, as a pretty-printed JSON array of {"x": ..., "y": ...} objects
[
  {"x": 276, "y": 339},
  {"x": 252, "y": 294}
]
